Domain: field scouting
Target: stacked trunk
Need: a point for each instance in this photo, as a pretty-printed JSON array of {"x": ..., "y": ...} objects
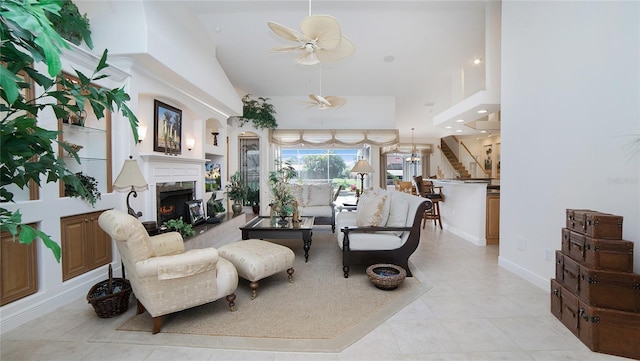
[{"x": 595, "y": 293}]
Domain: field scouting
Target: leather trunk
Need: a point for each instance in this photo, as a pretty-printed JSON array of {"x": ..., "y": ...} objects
[
  {"x": 609, "y": 331},
  {"x": 601, "y": 254},
  {"x": 608, "y": 289},
  {"x": 603, "y": 225},
  {"x": 576, "y": 219},
  {"x": 602, "y": 330},
  {"x": 594, "y": 224}
]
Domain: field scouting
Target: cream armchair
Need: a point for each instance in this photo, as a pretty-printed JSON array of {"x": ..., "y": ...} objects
[{"x": 164, "y": 277}]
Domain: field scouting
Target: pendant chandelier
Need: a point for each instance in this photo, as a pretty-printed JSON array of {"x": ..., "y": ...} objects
[{"x": 414, "y": 158}]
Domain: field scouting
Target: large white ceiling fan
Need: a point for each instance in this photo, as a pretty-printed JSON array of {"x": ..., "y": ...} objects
[
  {"x": 320, "y": 40},
  {"x": 328, "y": 102}
]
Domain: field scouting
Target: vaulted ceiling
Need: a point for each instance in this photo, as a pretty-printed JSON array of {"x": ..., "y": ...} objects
[{"x": 418, "y": 53}]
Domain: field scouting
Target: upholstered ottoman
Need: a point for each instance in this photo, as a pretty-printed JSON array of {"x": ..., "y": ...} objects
[{"x": 255, "y": 260}]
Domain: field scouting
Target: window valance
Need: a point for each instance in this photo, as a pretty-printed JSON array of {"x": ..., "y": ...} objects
[
  {"x": 407, "y": 148},
  {"x": 334, "y": 137}
]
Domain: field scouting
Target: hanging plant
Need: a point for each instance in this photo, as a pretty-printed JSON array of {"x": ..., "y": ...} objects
[
  {"x": 258, "y": 111},
  {"x": 70, "y": 24}
]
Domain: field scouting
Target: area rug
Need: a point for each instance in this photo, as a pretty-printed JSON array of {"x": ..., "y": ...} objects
[{"x": 320, "y": 311}]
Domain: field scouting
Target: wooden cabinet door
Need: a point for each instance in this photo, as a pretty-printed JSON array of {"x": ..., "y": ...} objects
[
  {"x": 18, "y": 269},
  {"x": 85, "y": 246},
  {"x": 100, "y": 243},
  {"x": 493, "y": 218},
  {"x": 74, "y": 246}
]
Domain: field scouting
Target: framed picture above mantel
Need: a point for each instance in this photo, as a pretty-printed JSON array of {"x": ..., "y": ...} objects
[{"x": 167, "y": 135}]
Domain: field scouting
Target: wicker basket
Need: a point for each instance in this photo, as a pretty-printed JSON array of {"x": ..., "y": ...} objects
[
  {"x": 110, "y": 297},
  {"x": 386, "y": 276}
]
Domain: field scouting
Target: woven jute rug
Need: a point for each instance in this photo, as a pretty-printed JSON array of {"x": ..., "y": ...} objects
[{"x": 320, "y": 311}]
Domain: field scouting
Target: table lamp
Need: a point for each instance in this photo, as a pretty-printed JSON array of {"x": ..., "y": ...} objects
[
  {"x": 362, "y": 167},
  {"x": 130, "y": 179}
]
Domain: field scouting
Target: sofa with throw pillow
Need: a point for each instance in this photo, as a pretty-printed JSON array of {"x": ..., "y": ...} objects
[
  {"x": 385, "y": 228},
  {"x": 316, "y": 200}
]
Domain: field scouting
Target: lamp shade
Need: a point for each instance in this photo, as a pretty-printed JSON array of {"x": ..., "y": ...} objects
[
  {"x": 362, "y": 166},
  {"x": 130, "y": 177}
]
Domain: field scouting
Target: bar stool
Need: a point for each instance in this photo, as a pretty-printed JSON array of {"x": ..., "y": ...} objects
[{"x": 428, "y": 190}]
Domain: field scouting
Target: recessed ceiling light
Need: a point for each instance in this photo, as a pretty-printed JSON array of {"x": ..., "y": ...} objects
[
  {"x": 460, "y": 121},
  {"x": 448, "y": 127},
  {"x": 483, "y": 131},
  {"x": 482, "y": 111},
  {"x": 458, "y": 131},
  {"x": 388, "y": 58},
  {"x": 477, "y": 61}
]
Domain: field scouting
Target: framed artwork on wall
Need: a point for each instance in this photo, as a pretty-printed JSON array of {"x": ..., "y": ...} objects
[
  {"x": 488, "y": 162},
  {"x": 196, "y": 212},
  {"x": 212, "y": 181},
  {"x": 167, "y": 135}
]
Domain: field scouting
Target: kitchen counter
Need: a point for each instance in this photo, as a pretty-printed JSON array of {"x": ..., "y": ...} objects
[{"x": 464, "y": 210}]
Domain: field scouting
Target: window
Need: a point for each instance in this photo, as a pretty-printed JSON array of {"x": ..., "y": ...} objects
[{"x": 322, "y": 165}]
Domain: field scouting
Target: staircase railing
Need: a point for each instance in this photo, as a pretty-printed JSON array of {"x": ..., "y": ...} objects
[
  {"x": 444, "y": 168},
  {"x": 467, "y": 158}
]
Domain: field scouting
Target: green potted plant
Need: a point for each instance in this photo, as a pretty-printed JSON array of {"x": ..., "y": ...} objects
[
  {"x": 236, "y": 192},
  {"x": 282, "y": 199},
  {"x": 89, "y": 183},
  {"x": 259, "y": 111},
  {"x": 178, "y": 225}
]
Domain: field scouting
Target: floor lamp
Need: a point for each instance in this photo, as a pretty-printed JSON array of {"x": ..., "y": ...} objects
[{"x": 362, "y": 167}]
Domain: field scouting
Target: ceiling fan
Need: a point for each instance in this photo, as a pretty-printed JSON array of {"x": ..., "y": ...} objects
[
  {"x": 321, "y": 40},
  {"x": 328, "y": 102}
]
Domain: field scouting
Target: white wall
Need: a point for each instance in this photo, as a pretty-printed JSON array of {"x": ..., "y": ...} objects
[{"x": 570, "y": 108}]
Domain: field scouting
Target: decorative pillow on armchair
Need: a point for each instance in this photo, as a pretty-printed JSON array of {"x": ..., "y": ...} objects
[
  {"x": 370, "y": 209},
  {"x": 297, "y": 191},
  {"x": 319, "y": 195}
]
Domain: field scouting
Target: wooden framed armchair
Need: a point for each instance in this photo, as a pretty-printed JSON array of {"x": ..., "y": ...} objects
[
  {"x": 393, "y": 241},
  {"x": 164, "y": 277}
]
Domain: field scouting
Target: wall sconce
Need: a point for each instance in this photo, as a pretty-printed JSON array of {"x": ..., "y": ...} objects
[
  {"x": 190, "y": 143},
  {"x": 142, "y": 132}
]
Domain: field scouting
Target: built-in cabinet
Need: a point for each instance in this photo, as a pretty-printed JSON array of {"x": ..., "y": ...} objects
[
  {"x": 493, "y": 218},
  {"x": 18, "y": 269},
  {"x": 85, "y": 246}
]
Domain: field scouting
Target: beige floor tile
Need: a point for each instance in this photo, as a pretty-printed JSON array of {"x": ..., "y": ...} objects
[{"x": 473, "y": 335}]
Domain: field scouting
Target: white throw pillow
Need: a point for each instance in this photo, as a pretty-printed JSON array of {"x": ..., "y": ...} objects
[
  {"x": 319, "y": 195},
  {"x": 298, "y": 194},
  {"x": 369, "y": 211},
  {"x": 387, "y": 205},
  {"x": 398, "y": 214}
]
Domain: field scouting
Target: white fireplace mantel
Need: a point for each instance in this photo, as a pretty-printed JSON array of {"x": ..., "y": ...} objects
[{"x": 161, "y": 168}]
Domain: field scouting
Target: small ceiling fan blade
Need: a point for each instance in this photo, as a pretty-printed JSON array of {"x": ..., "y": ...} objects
[
  {"x": 285, "y": 48},
  {"x": 306, "y": 58},
  {"x": 345, "y": 49},
  {"x": 336, "y": 102},
  {"x": 286, "y": 32},
  {"x": 324, "y": 28}
]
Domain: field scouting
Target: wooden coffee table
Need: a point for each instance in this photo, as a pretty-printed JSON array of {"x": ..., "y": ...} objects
[{"x": 264, "y": 228}]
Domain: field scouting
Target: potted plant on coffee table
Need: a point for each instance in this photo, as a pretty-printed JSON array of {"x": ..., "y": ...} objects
[{"x": 236, "y": 192}]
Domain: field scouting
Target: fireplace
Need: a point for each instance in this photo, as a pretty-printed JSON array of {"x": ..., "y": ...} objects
[{"x": 171, "y": 199}]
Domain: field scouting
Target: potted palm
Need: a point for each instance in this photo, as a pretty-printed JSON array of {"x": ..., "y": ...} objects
[{"x": 236, "y": 192}]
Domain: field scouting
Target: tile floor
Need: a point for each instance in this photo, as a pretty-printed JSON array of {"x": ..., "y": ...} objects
[{"x": 475, "y": 311}]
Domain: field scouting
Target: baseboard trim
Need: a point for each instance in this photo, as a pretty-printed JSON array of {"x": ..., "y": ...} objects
[{"x": 533, "y": 278}]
